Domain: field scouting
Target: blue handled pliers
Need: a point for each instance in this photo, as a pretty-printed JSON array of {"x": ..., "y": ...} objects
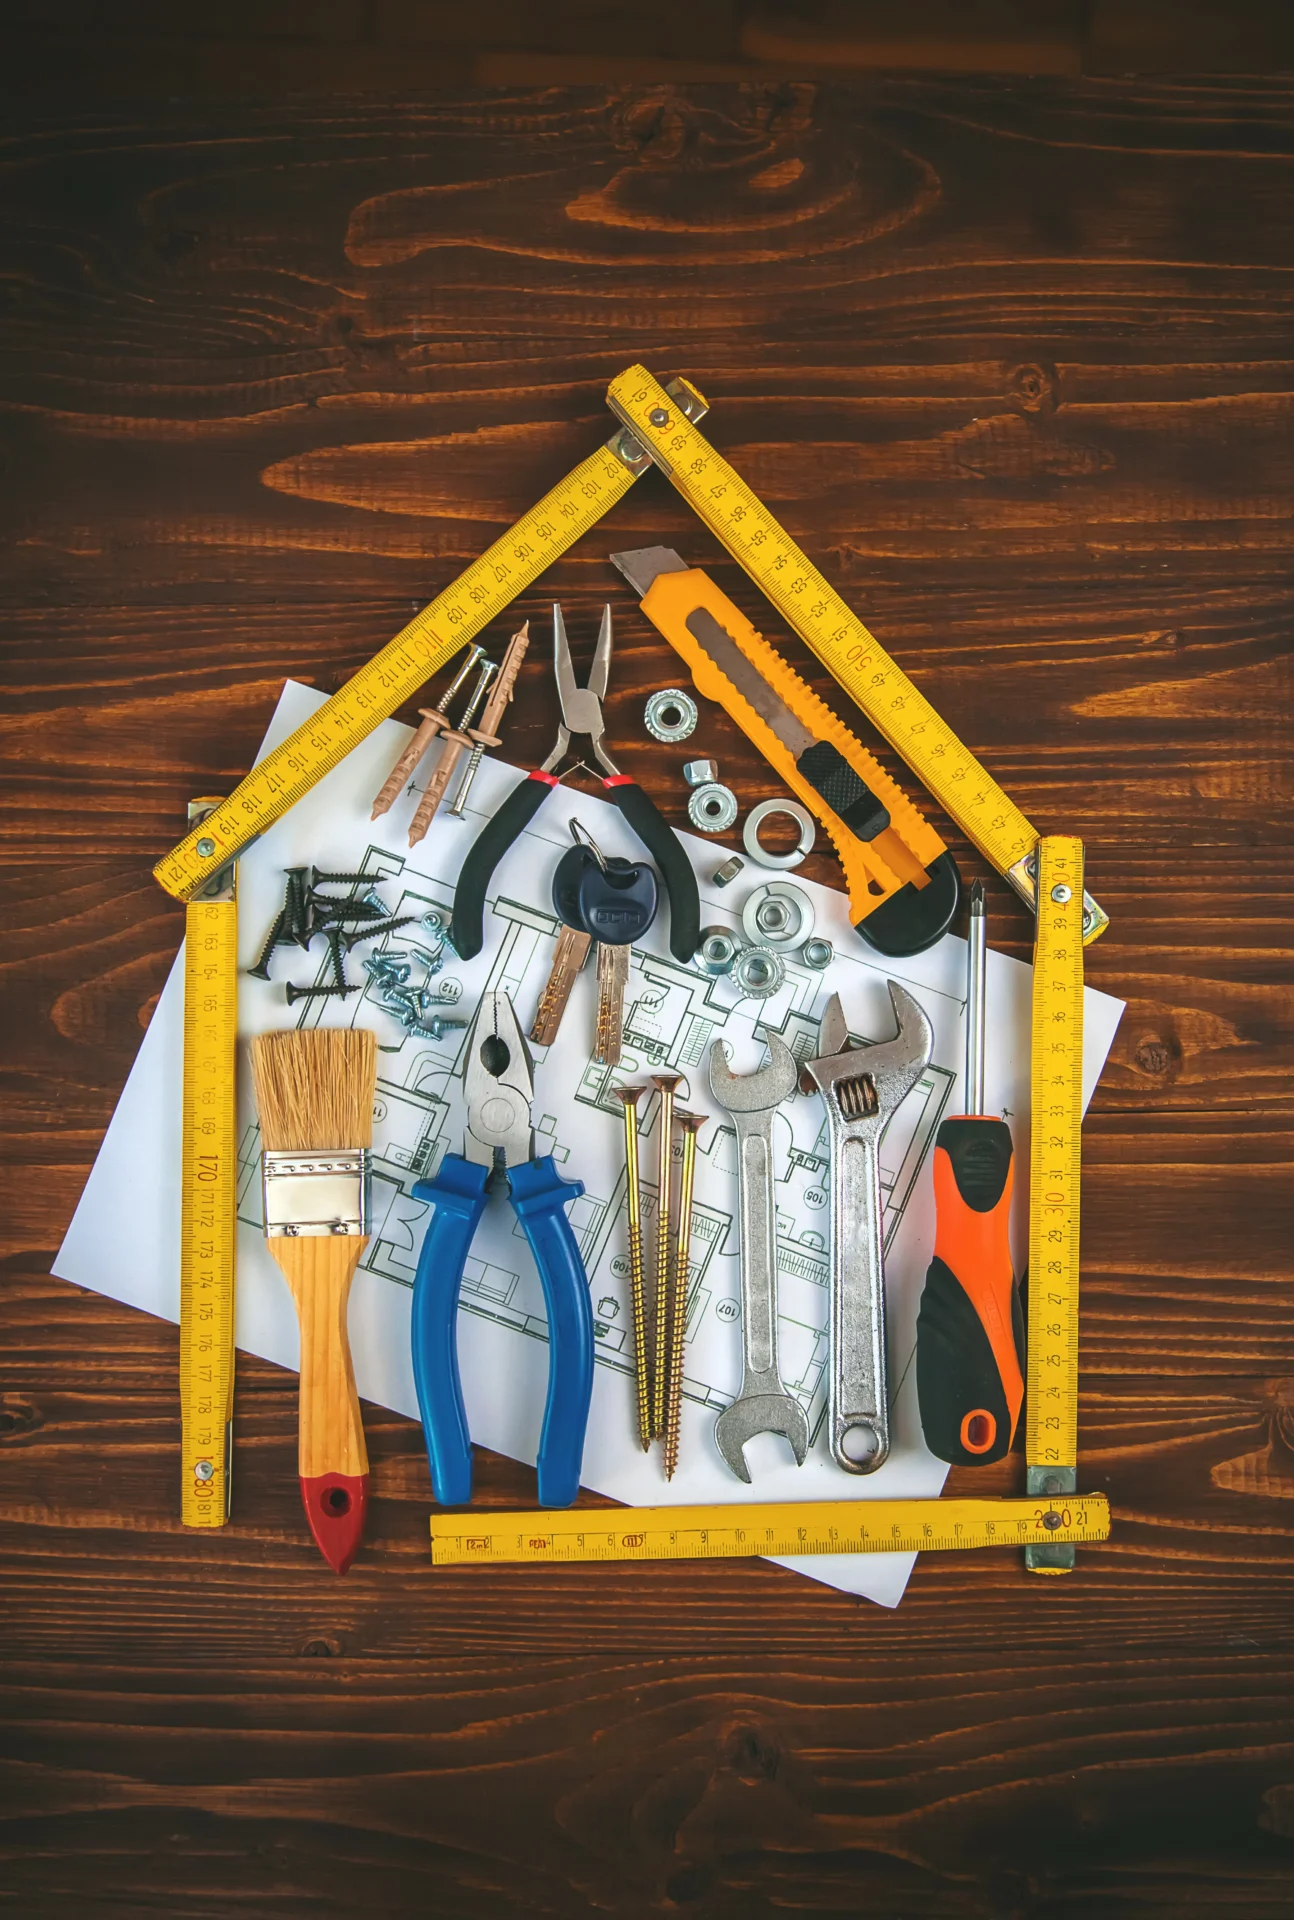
[{"x": 499, "y": 1149}]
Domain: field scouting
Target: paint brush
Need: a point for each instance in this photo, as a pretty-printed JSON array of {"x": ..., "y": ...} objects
[{"x": 314, "y": 1094}]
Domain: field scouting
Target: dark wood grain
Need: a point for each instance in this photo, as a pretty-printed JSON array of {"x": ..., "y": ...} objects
[{"x": 1014, "y": 362}]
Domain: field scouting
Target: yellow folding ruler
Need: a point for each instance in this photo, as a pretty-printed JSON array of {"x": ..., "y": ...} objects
[
  {"x": 736, "y": 1532},
  {"x": 1053, "y": 1518},
  {"x": 721, "y": 498},
  {"x": 418, "y": 651},
  {"x": 1051, "y": 1395},
  {"x": 208, "y": 1180}
]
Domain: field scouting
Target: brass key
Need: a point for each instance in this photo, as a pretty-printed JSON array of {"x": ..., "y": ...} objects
[
  {"x": 571, "y": 953},
  {"x": 613, "y": 978}
]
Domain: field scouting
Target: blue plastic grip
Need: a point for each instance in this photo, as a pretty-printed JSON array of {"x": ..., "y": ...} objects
[
  {"x": 540, "y": 1198},
  {"x": 458, "y": 1192}
]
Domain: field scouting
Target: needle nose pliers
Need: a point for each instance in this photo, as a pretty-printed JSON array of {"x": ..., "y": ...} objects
[
  {"x": 499, "y": 1149},
  {"x": 581, "y": 715}
]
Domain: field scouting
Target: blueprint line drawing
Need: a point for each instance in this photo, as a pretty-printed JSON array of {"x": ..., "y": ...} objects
[
  {"x": 124, "y": 1238},
  {"x": 673, "y": 1013}
]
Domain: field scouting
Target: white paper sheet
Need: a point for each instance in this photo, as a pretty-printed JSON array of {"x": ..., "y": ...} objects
[{"x": 124, "y": 1238}]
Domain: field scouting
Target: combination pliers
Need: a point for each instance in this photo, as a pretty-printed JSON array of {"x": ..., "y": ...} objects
[
  {"x": 499, "y": 1150},
  {"x": 581, "y": 717}
]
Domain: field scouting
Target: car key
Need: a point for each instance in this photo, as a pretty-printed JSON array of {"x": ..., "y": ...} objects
[
  {"x": 615, "y": 902},
  {"x": 571, "y": 952}
]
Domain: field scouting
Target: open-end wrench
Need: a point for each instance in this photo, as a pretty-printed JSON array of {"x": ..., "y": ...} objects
[
  {"x": 763, "y": 1405},
  {"x": 863, "y": 1087}
]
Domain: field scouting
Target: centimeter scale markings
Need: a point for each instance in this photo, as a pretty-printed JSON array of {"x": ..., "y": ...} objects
[
  {"x": 208, "y": 1191},
  {"x": 1051, "y": 1391},
  {"x": 735, "y": 1532},
  {"x": 814, "y": 610},
  {"x": 419, "y": 650}
]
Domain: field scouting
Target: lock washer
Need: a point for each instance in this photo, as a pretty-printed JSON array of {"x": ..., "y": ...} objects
[{"x": 766, "y": 811}]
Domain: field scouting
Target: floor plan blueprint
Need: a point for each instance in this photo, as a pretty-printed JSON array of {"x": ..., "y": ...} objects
[{"x": 124, "y": 1238}]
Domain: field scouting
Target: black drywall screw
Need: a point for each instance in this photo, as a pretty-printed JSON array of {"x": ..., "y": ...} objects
[
  {"x": 261, "y": 971},
  {"x": 334, "y": 939},
  {"x": 342, "y": 879},
  {"x": 372, "y": 931},
  {"x": 317, "y": 993}
]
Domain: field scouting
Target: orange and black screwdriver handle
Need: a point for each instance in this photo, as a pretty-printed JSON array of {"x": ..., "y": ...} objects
[{"x": 970, "y": 1328}]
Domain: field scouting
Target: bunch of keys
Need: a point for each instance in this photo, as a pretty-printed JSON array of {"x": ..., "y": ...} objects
[{"x": 604, "y": 901}]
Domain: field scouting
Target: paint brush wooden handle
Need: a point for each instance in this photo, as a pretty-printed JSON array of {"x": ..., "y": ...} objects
[{"x": 332, "y": 1458}]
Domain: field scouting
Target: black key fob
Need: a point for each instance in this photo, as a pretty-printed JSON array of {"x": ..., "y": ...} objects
[
  {"x": 617, "y": 902},
  {"x": 566, "y": 884}
]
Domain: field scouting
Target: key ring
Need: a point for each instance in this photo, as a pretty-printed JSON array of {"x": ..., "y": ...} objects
[{"x": 583, "y": 838}]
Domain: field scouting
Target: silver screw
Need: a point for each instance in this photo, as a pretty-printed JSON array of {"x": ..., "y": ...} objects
[
  {"x": 206, "y": 847},
  {"x": 1060, "y": 893}
]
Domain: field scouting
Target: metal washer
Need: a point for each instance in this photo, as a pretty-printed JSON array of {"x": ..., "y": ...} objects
[
  {"x": 670, "y": 700},
  {"x": 777, "y": 914},
  {"x": 765, "y": 811}
]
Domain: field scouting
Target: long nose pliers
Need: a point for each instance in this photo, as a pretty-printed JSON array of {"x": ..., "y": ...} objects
[
  {"x": 499, "y": 1149},
  {"x": 581, "y": 716}
]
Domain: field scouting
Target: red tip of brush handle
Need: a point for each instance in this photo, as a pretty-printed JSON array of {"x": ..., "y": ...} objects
[{"x": 336, "y": 1504}]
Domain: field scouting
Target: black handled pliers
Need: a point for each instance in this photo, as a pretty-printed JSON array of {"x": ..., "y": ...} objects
[{"x": 581, "y": 716}]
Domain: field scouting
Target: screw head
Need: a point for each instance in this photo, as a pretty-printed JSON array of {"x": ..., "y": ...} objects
[
  {"x": 1060, "y": 893},
  {"x": 204, "y": 1470},
  {"x": 206, "y": 847},
  {"x": 658, "y": 417}
]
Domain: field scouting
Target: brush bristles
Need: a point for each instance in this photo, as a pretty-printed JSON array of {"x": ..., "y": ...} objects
[{"x": 315, "y": 1089}]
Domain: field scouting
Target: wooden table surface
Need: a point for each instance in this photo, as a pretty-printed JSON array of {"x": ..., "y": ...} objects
[{"x": 1013, "y": 362}]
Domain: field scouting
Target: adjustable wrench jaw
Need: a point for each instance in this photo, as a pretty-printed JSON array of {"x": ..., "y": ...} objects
[
  {"x": 863, "y": 1088},
  {"x": 763, "y": 1405}
]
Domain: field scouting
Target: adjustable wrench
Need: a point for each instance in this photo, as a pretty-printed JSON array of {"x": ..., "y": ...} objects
[
  {"x": 763, "y": 1405},
  {"x": 863, "y": 1087}
]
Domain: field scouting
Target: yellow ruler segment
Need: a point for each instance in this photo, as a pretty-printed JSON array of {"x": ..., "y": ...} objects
[
  {"x": 737, "y": 1532},
  {"x": 831, "y": 630},
  {"x": 372, "y": 695},
  {"x": 208, "y": 1183},
  {"x": 1051, "y": 1399}
]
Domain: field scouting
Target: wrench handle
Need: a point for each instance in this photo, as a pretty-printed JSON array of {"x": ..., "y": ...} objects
[
  {"x": 758, "y": 1228},
  {"x": 858, "y": 1401}
]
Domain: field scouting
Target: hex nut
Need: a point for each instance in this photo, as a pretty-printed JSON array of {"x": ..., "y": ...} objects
[
  {"x": 728, "y": 871},
  {"x": 712, "y": 808},
  {"x": 698, "y": 773},
  {"x": 717, "y": 949},
  {"x": 670, "y": 715},
  {"x": 777, "y": 914},
  {"x": 758, "y": 972},
  {"x": 817, "y": 953}
]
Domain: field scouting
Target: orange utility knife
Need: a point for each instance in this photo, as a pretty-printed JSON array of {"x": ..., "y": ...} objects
[{"x": 904, "y": 887}]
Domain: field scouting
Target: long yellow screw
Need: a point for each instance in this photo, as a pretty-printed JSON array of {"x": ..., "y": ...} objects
[
  {"x": 631, "y": 1096},
  {"x": 666, "y": 1082},
  {"x": 691, "y": 1124}
]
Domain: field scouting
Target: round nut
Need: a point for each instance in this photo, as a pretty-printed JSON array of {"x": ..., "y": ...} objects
[
  {"x": 717, "y": 949},
  {"x": 765, "y": 811},
  {"x": 758, "y": 972},
  {"x": 712, "y": 808},
  {"x": 777, "y": 914},
  {"x": 670, "y": 715},
  {"x": 817, "y": 953}
]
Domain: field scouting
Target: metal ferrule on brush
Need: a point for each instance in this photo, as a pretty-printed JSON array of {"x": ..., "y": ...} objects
[{"x": 317, "y": 1193}]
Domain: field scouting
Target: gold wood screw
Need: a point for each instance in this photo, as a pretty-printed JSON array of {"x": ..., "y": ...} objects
[
  {"x": 631, "y": 1096},
  {"x": 691, "y": 1124},
  {"x": 667, "y": 1083}
]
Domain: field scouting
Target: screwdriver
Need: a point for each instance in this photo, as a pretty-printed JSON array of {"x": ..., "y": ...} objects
[{"x": 970, "y": 1330}]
